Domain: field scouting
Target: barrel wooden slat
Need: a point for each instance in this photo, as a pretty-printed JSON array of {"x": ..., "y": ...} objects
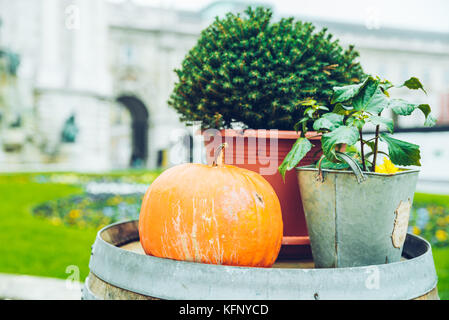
[{"x": 106, "y": 291}]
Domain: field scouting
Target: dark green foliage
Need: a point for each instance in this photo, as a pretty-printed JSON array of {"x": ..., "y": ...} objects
[{"x": 257, "y": 72}]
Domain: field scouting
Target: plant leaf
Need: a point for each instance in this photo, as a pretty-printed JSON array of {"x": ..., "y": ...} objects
[
  {"x": 299, "y": 123},
  {"x": 425, "y": 108},
  {"x": 309, "y": 112},
  {"x": 371, "y": 98},
  {"x": 342, "y": 109},
  {"x": 355, "y": 122},
  {"x": 323, "y": 108},
  {"x": 402, "y": 152},
  {"x": 326, "y": 164},
  {"x": 308, "y": 102},
  {"x": 345, "y": 93},
  {"x": 404, "y": 108},
  {"x": 298, "y": 151},
  {"x": 370, "y": 144},
  {"x": 431, "y": 120},
  {"x": 379, "y": 121},
  {"x": 414, "y": 84},
  {"x": 385, "y": 85},
  {"x": 328, "y": 121},
  {"x": 340, "y": 135}
]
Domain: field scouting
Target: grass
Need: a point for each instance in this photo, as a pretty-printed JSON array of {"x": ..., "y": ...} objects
[
  {"x": 441, "y": 258},
  {"x": 34, "y": 246},
  {"x": 421, "y": 199},
  {"x": 440, "y": 255}
]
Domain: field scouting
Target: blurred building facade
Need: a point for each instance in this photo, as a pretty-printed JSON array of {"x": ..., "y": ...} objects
[{"x": 94, "y": 79}]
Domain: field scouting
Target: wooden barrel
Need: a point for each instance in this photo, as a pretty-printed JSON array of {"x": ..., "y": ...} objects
[{"x": 119, "y": 269}]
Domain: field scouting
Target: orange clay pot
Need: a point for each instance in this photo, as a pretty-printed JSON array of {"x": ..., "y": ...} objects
[
  {"x": 217, "y": 214},
  {"x": 244, "y": 151}
]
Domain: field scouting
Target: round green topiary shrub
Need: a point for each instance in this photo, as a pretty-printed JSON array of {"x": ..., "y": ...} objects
[{"x": 259, "y": 73}]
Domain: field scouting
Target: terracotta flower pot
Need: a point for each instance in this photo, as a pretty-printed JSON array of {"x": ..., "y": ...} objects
[{"x": 263, "y": 151}]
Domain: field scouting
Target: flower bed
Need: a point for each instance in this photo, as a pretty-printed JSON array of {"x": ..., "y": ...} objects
[
  {"x": 90, "y": 210},
  {"x": 430, "y": 219}
]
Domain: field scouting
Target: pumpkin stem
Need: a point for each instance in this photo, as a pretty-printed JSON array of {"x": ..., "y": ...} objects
[{"x": 219, "y": 155}]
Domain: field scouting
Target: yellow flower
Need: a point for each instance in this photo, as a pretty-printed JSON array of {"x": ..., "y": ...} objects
[
  {"x": 387, "y": 167},
  {"x": 75, "y": 213},
  {"x": 416, "y": 230},
  {"x": 441, "y": 235}
]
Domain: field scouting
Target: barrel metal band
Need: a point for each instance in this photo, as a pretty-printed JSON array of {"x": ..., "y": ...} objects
[{"x": 170, "y": 279}]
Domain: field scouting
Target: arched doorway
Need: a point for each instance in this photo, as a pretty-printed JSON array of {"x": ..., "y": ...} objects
[{"x": 139, "y": 124}]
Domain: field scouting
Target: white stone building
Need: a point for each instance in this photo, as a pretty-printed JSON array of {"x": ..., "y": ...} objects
[
  {"x": 92, "y": 58},
  {"x": 110, "y": 63}
]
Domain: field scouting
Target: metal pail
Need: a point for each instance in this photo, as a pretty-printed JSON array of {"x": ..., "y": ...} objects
[{"x": 356, "y": 218}]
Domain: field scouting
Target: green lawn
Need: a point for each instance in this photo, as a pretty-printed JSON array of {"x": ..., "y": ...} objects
[
  {"x": 441, "y": 258},
  {"x": 32, "y": 245},
  {"x": 441, "y": 255},
  {"x": 435, "y": 199}
]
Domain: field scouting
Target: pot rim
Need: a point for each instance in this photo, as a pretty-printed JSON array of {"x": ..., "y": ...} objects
[
  {"x": 266, "y": 133},
  {"x": 313, "y": 168}
]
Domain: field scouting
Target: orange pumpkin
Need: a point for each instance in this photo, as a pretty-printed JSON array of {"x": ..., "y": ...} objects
[{"x": 218, "y": 214}]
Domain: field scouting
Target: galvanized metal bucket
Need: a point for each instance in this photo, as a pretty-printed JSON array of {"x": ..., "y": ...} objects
[{"x": 356, "y": 218}]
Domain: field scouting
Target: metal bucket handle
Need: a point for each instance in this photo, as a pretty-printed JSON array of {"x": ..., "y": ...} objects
[{"x": 352, "y": 164}]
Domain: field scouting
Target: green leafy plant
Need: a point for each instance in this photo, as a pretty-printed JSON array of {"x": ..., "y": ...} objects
[
  {"x": 262, "y": 74},
  {"x": 354, "y": 107}
]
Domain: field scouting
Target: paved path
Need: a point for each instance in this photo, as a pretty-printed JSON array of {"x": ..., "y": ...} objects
[{"x": 23, "y": 287}]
